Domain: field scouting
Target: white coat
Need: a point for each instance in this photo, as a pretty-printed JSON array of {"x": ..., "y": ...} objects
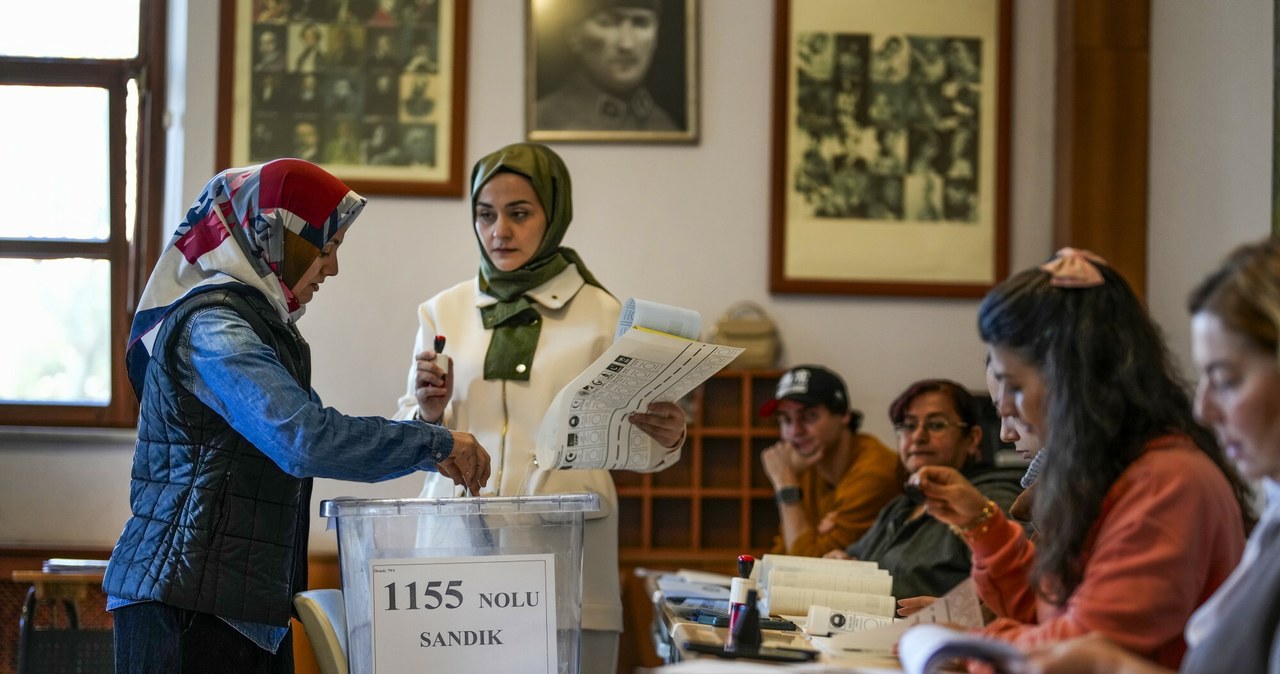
[{"x": 578, "y": 324}]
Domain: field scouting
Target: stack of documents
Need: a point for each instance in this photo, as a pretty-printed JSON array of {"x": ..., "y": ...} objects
[
  {"x": 59, "y": 565},
  {"x": 791, "y": 584}
]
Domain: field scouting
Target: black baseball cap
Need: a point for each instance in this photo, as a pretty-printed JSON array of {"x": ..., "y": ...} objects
[{"x": 809, "y": 385}]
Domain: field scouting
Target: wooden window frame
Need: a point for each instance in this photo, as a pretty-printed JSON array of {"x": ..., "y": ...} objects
[{"x": 131, "y": 261}]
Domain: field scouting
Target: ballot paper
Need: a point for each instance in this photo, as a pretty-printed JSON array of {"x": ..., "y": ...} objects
[
  {"x": 586, "y": 426},
  {"x": 787, "y": 600},
  {"x": 764, "y": 571},
  {"x": 674, "y": 587},
  {"x": 676, "y": 321}
]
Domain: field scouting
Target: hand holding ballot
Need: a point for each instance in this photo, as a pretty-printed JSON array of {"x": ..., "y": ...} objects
[
  {"x": 662, "y": 421},
  {"x": 600, "y": 420},
  {"x": 468, "y": 465}
]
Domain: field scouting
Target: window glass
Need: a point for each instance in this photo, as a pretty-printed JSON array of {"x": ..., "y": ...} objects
[
  {"x": 56, "y": 150},
  {"x": 78, "y": 234},
  {"x": 96, "y": 29},
  {"x": 56, "y": 347}
]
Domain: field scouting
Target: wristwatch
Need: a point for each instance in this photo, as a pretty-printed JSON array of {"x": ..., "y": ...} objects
[{"x": 789, "y": 495}]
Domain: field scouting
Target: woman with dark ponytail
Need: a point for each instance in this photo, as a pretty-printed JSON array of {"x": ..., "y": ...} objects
[{"x": 1140, "y": 515}]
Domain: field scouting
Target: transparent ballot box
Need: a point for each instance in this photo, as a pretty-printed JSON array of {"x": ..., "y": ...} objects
[{"x": 462, "y": 584}]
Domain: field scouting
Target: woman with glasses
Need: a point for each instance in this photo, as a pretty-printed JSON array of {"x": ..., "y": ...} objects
[
  {"x": 1140, "y": 517},
  {"x": 937, "y": 423}
]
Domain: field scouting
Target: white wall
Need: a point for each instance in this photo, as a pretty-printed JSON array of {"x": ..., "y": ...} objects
[
  {"x": 1210, "y": 170},
  {"x": 688, "y": 225}
]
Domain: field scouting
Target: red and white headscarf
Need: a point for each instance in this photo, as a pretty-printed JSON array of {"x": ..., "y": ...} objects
[{"x": 261, "y": 225}]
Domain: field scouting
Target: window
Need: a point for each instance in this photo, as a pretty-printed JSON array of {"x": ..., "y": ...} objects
[{"x": 82, "y": 90}]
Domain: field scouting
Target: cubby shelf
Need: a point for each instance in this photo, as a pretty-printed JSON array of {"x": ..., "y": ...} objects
[{"x": 716, "y": 503}]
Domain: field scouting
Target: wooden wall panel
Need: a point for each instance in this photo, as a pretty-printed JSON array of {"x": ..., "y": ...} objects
[{"x": 1102, "y": 131}]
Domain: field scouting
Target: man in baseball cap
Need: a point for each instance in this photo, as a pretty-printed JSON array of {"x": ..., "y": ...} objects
[
  {"x": 813, "y": 385},
  {"x": 830, "y": 480}
]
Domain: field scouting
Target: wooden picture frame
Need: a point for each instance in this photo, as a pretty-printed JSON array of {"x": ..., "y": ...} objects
[
  {"x": 1275, "y": 125},
  {"x": 376, "y": 95},
  {"x": 584, "y": 83},
  {"x": 890, "y": 147}
]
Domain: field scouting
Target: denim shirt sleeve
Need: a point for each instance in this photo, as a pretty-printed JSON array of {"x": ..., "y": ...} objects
[{"x": 242, "y": 379}]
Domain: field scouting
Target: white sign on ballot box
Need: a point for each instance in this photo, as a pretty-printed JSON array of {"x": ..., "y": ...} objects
[{"x": 464, "y": 614}]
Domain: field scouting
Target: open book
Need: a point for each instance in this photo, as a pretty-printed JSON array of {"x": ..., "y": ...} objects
[
  {"x": 586, "y": 426},
  {"x": 927, "y": 649},
  {"x": 61, "y": 565}
]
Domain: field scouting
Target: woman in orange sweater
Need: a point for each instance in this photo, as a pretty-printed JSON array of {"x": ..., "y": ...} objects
[
  {"x": 1140, "y": 516},
  {"x": 1235, "y": 340}
]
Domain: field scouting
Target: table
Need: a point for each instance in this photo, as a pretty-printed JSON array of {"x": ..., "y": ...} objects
[
  {"x": 59, "y": 585},
  {"x": 68, "y": 649},
  {"x": 671, "y": 631}
]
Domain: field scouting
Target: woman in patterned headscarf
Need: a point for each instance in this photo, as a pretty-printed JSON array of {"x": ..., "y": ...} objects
[
  {"x": 523, "y": 328},
  {"x": 230, "y": 433}
]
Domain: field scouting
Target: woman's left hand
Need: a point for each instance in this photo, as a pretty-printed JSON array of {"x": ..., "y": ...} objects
[{"x": 664, "y": 422}]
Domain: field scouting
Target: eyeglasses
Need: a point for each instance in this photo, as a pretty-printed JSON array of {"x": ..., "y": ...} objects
[{"x": 931, "y": 426}]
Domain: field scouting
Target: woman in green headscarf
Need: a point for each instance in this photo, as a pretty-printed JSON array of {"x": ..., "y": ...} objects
[{"x": 520, "y": 331}]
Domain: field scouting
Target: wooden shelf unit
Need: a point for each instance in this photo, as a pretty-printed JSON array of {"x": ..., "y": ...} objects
[{"x": 716, "y": 503}]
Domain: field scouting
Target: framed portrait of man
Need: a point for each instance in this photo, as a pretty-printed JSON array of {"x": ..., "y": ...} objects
[{"x": 612, "y": 70}]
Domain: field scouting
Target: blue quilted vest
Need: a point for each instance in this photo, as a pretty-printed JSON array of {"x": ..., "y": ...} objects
[{"x": 216, "y": 526}]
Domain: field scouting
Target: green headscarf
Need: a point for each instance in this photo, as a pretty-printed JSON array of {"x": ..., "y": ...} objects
[{"x": 514, "y": 320}]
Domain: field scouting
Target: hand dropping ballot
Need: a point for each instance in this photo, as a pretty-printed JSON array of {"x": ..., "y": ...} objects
[{"x": 655, "y": 357}]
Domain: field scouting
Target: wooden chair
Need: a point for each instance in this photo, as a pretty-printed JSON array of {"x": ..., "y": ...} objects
[{"x": 323, "y": 616}]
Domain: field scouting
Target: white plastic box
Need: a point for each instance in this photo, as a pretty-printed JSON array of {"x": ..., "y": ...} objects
[{"x": 462, "y": 584}]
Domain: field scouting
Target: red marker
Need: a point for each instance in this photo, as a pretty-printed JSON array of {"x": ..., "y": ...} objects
[
  {"x": 740, "y": 589},
  {"x": 442, "y": 362}
]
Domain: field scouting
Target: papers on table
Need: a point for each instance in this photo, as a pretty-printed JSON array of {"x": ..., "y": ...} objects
[
  {"x": 958, "y": 608},
  {"x": 792, "y": 584},
  {"x": 61, "y": 565},
  {"x": 674, "y": 588},
  {"x": 699, "y": 576}
]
